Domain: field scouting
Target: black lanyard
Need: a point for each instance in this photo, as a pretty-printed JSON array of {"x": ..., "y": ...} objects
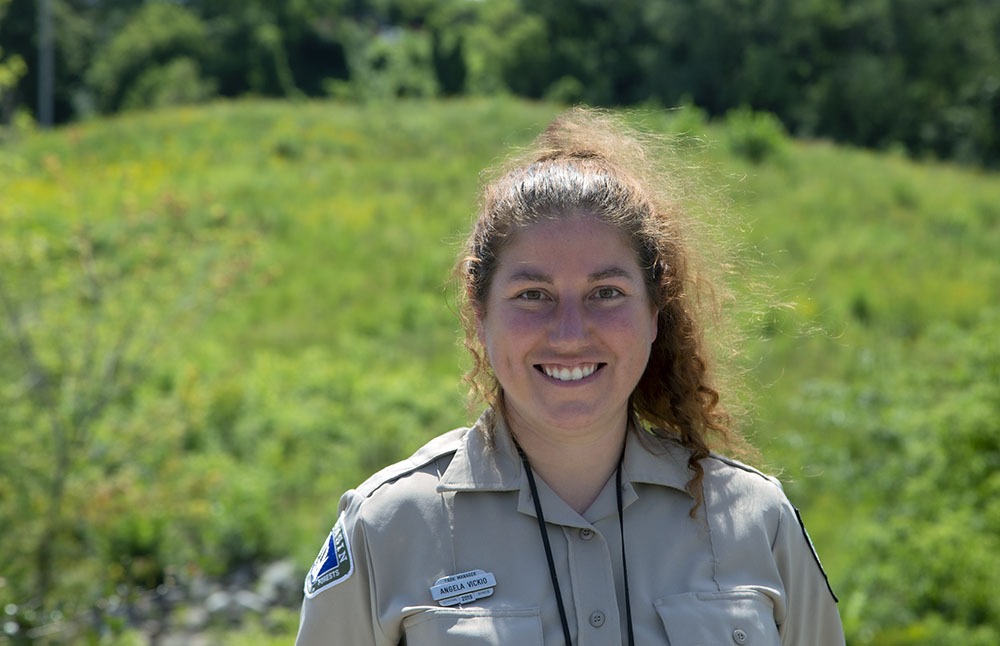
[{"x": 548, "y": 548}]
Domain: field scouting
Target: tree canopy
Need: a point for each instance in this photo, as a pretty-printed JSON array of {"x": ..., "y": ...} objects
[{"x": 920, "y": 75}]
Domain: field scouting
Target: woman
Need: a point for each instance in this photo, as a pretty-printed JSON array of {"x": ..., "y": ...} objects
[{"x": 584, "y": 506}]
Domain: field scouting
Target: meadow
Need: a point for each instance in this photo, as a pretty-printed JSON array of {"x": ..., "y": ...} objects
[{"x": 216, "y": 319}]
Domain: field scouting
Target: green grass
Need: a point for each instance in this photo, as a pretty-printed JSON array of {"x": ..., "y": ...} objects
[{"x": 317, "y": 239}]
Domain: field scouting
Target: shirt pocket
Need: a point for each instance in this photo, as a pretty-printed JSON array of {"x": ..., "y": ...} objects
[
  {"x": 725, "y": 618},
  {"x": 479, "y": 626}
]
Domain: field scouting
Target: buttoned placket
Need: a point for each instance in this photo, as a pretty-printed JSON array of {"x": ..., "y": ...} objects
[
  {"x": 586, "y": 550},
  {"x": 588, "y": 561},
  {"x": 592, "y": 588}
]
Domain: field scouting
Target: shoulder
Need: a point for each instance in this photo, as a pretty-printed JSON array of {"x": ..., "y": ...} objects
[
  {"x": 743, "y": 502},
  {"x": 726, "y": 468},
  {"x": 752, "y": 497},
  {"x": 720, "y": 471},
  {"x": 400, "y": 495},
  {"x": 407, "y": 489},
  {"x": 733, "y": 484},
  {"x": 424, "y": 459}
]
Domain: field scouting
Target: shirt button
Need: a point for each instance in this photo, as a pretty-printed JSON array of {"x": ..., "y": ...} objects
[
  {"x": 597, "y": 619},
  {"x": 586, "y": 534},
  {"x": 739, "y": 636}
]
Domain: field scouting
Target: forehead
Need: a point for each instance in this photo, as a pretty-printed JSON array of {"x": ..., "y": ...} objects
[{"x": 577, "y": 244}]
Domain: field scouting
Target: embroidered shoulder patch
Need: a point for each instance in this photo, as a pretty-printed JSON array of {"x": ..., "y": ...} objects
[{"x": 333, "y": 565}]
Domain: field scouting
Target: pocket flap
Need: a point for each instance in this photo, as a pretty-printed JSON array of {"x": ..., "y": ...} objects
[{"x": 726, "y": 618}]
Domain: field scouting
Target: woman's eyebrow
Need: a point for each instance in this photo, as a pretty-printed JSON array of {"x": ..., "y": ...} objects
[
  {"x": 610, "y": 272},
  {"x": 529, "y": 276}
]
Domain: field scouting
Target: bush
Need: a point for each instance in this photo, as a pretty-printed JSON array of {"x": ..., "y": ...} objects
[
  {"x": 145, "y": 52},
  {"x": 389, "y": 64},
  {"x": 175, "y": 83},
  {"x": 919, "y": 444},
  {"x": 756, "y": 136},
  {"x": 688, "y": 122},
  {"x": 567, "y": 90}
]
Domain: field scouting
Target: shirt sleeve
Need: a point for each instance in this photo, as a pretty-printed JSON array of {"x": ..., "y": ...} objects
[
  {"x": 811, "y": 617},
  {"x": 338, "y": 607}
]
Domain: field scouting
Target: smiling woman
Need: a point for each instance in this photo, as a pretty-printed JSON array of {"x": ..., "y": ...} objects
[
  {"x": 580, "y": 307},
  {"x": 567, "y": 328}
]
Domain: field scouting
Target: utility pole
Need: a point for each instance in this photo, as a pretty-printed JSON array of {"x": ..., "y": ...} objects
[{"x": 46, "y": 67}]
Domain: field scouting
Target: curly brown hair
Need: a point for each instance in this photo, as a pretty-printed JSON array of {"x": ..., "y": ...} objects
[{"x": 588, "y": 161}]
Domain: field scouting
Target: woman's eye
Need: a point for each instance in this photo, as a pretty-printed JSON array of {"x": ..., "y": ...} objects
[
  {"x": 608, "y": 292},
  {"x": 531, "y": 295}
]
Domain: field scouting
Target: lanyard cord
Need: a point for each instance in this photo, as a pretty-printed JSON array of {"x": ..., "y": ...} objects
[
  {"x": 621, "y": 525},
  {"x": 548, "y": 547}
]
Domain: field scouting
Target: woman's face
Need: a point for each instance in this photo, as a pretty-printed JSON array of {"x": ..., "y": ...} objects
[{"x": 567, "y": 325}]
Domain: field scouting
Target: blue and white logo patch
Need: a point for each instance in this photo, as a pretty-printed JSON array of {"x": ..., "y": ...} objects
[{"x": 333, "y": 565}]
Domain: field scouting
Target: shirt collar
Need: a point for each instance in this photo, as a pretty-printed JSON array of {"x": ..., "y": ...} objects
[
  {"x": 488, "y": 461},
  {"x": 653, "y": 460}
]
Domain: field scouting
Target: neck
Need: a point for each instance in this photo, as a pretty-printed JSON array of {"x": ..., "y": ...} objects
[{"x": 575, "y": 465}]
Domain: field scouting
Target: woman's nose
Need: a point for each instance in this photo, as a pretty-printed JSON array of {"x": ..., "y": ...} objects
[{"x": 569, "y": 325}]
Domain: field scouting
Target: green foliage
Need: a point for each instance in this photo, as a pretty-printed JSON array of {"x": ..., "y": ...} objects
[
  {"x": 568, "y": 90},
  {"x": 275, "y": 629},
  {"x": 915, "y": 75},
  {"x": 880, "y": 378},
  {"x": 918, "y": 426},
  {"x": 503, "y": 48},
  {"x": 12, "y": 68},
  {"x": 387, "y": 64},
  {"x": 153, "y": 60},
  {"x": 756, "y": 136},
  {"x": 90, "y": 305},
  {"x": 284, "y": 265},
  {"x": 176, "y": 83}
]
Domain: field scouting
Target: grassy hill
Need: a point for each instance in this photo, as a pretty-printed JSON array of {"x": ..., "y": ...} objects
[{"x": 216, "y": 319}]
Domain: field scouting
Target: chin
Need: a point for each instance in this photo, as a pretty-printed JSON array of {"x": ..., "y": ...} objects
[
  {"x": 577, "y": 416},
  {"x": 568, "y": 415}
]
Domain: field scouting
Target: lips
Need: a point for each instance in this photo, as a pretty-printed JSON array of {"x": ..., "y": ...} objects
[{"x": 569, "y": 373}]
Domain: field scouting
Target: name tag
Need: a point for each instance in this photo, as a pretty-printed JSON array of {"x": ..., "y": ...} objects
[{"x": 463, "y": 588}]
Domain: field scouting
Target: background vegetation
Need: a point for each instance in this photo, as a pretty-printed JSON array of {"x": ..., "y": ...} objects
[
  {"x": 216, "y": 319},
  {"x": 920, "y": 75}
]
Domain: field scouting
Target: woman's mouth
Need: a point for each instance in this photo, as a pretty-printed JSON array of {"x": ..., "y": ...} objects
[{"x": 565, "y": 373}]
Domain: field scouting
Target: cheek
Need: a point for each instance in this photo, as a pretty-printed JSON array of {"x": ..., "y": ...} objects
[
  {"x": 626, "y": 321},
  {"x": 508, "y": 334},
  {"x": 631, "y": 332}
]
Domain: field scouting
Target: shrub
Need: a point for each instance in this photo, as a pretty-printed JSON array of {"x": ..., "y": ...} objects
[
  {"x": 143, "y": 54},
  {"x": 175, "y": 83},
  {"x": 389, "y": 64},
  {"x": 756, "y": 136},
  {"x": 566, "y": 90}
]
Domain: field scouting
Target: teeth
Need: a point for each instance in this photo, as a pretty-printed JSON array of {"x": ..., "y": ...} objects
[{"x": 567, "y": 374}]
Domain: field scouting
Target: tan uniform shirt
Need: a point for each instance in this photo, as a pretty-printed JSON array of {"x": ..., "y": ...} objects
[{"x": 741, "y": 573}]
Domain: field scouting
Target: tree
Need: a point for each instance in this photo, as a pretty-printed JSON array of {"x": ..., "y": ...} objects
[
  {"x": 12, "y": 68},
  {"x": 154, "y": 60},
  {"x": 87, "y": 310}
]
